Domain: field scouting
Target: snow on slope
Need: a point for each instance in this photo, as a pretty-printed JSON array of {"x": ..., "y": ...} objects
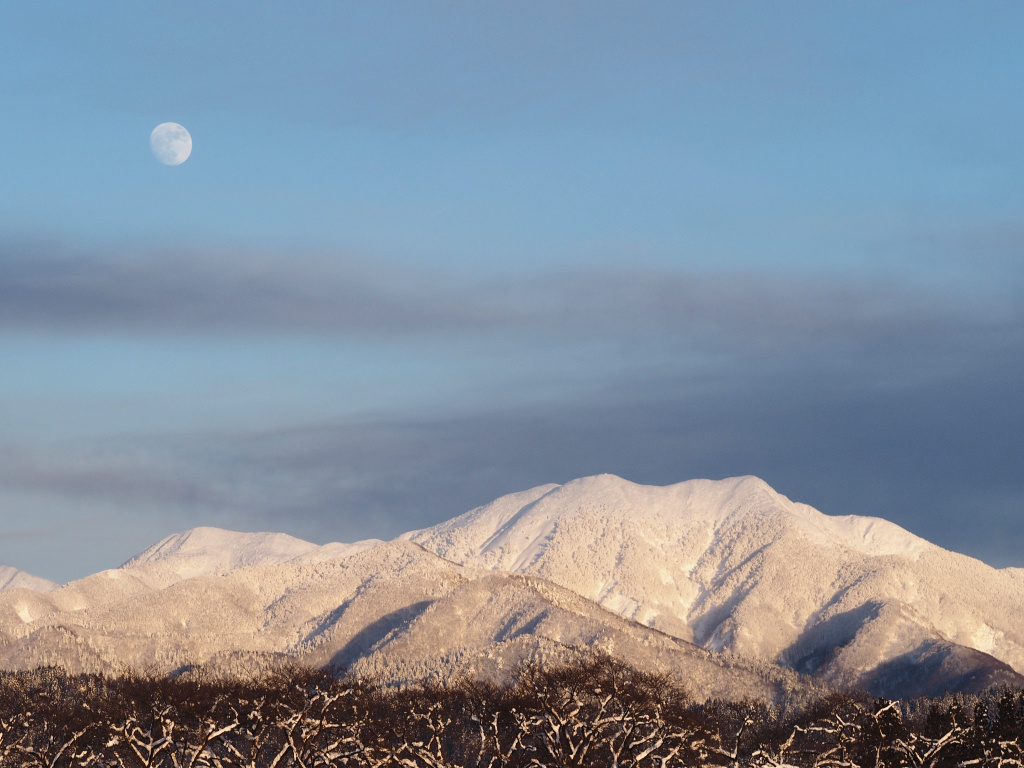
[
  {"x": 12, "y": 578},
  {"x": 734, "y": 566},
  {"x": 213, "y": 551},
  {"x": 183, "y": 558},
  {"x": 203, "y": 551},
  {"x": 637, "y": 570},
  {"x": 394, "y": 611}
]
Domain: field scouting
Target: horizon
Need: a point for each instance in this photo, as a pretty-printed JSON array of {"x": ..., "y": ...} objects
[
  {"x": 420, "y": 258},
  {"x": 233, "y": 545}
]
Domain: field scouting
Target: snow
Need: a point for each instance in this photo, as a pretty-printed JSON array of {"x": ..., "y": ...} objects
[
  {"x": 209, "y": 551},
  {"x": 12, "y": 578},
  {"x": 736, "y": 566},
  {"x": 336, "y": 550},
  {"x": 730, "y": 565}
]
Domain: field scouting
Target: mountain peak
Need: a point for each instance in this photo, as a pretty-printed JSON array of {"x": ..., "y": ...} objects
[
  {"x": 12, "y": 578},
  {"x": 526, "y": 519},
  {"x": 208, "y": 551},
  {"x": 513, "y": 531},
  {"x": 231, "y": 547},
  {"x": 728, "y": 564}
]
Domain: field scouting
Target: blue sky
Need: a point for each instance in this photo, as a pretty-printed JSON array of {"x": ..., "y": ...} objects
[{"x": 426, "y": 254}]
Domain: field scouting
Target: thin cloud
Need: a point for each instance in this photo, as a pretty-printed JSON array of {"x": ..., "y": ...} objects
[
  {"x": 259, "y": 294},
  {"x": 122, "y": 478},
  {"x": 19, "y": 534},
  {"x": 922, "y": 450}
]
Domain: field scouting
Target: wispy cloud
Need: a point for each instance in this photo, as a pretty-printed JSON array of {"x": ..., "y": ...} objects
[
  {"x": 44, "y": 290},
  {"x": 847, "y": 437},
  {"x": 19, "y": 534},
  {"x": 147, "y": 293}
]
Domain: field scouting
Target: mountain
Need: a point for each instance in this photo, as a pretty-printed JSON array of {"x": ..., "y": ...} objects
[
  {"x": 12, "y": 578},
  {"x": 728, "y": 584},
  {"x": 213, "y": 551},
  {"x": 735, "y": 567},
  {"x": 393, "y": 611}
]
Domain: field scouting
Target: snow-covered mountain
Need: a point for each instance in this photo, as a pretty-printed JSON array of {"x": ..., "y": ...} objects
[
  {"x": 213, "y": 551},
  {"x": 734, "y": 566},
  {"x": 725, "y": 582},
  {"x": 393, "y": 611},
  {"x": 12, "y": 578}
]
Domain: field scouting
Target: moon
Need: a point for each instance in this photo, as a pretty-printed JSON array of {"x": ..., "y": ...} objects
[{"x": 171, "y": 143}]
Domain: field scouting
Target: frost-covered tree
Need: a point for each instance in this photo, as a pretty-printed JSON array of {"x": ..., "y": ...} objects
[{"x": 593, "y": 712}]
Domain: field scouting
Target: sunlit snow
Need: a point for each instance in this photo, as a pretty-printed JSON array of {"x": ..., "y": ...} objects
[{"x": 640, "y": 571}]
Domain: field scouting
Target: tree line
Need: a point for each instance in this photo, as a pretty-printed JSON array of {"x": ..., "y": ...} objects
[{"x": 595, "y": 712}]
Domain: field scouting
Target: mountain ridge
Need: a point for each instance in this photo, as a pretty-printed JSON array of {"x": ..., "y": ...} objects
[
  {"x": 734, "y": 566},
  {"x": 730, "y": 568}
]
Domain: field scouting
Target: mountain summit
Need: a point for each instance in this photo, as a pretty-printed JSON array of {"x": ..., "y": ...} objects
[
  {"x": 734, "y": 566},
  {"x": 209, "y": 551},
  {"x": 12, "y": 578}
]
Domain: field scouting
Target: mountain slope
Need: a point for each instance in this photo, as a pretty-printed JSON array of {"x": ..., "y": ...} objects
[
  {"x": 719, "y": 581},
  {"x": 734, "y": 566},
  {"x": 395, "y": 611}
]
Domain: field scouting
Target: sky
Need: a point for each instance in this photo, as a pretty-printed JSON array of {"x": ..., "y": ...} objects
[{"x": 423, "y": 255}]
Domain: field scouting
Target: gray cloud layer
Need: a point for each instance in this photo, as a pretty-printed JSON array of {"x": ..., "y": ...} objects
[
  {"x": 40, "y": 289},
  {"x": 885, "y": 398},
  {"x": 930, "y": 454}
]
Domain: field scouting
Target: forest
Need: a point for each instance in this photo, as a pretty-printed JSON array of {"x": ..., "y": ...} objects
[{"x": 594, "y": 712}]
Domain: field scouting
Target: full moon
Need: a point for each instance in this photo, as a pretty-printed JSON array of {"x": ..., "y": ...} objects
[{"x": 171, "y": 143}]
